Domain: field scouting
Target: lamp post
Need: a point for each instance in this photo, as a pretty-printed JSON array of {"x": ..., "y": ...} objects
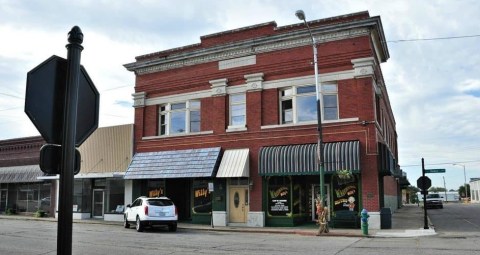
[
  {"x": 318, "y": 91},
  {"x": 464, "y": 178}
]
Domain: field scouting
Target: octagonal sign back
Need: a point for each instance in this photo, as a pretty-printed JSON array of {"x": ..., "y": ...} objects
[{"x": 45, "y": 101}]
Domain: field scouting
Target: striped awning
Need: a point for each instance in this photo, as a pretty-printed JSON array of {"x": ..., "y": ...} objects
[
  {"x": 18, "y": 174},
  {"x": 234, "y": 164},
  {"x": 174, "y": 164},
  {"x": 302, "y": 159}
]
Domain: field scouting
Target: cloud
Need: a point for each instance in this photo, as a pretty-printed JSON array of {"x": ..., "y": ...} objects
[{"x": 433, "y": 86}]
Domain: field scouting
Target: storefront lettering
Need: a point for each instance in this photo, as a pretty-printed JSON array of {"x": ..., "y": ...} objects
[
  {"x": 349, "y": 190},
  {"x": 279, "y": 205},
  {"x": 201, "y": 193},
  {"x": 282, "y": 191}
]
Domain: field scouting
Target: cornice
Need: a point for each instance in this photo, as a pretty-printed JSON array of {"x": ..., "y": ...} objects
[{"x": 282, "y": 41}]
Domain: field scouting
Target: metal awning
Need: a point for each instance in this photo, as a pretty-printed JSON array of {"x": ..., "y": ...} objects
[
  {"x": 302, "y": 159},
  {"x": 235, "y": 163},
  {"x": 17, "y": 174},
  {"x": 174, "y": 164}
]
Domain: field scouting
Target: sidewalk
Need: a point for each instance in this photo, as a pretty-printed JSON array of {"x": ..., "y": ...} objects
[{"x": 406, "y": 222}]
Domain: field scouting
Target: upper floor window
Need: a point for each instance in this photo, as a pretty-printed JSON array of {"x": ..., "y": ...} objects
[
  {"x": 298, "y": 104},
  {"x": 238, "y": 110},
  {"x": 180, "y": 117}
]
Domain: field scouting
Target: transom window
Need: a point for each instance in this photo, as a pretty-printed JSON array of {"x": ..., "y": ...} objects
[
  {"x": 298, "y": 104},
  {"x": 180, "y": 117},
  {"x": 237, "y": 110}
]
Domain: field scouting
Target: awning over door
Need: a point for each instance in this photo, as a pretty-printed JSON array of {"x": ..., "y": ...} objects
[
  {"x": 174, "y": 164},
  {"x": 235, "y": 163},
  {"x": 302, "y": 159},
  {"x": 17, "y": 174}
]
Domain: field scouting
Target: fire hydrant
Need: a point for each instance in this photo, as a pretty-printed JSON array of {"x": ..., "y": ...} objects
[{"x": 364, "y": 217}]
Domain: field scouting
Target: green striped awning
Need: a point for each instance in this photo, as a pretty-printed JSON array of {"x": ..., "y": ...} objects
[{"x": 302, "y": 159}]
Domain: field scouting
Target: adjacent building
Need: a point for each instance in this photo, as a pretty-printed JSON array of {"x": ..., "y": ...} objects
[
  {"x": 227, "y": 127},
  {"x": 99, "y": 187},
  {"x": 21, "y": 192},
  {"x": 475, "y": 190}
]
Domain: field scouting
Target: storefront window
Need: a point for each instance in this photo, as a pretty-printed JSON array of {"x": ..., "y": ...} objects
[
  {"x": 82, "y": 195},
  {"x": 32, "y": 197},
  {"x": 115, "y": 196},
  {"x": 345, "y": 193},
  {"x": 202, "y": 202},
  {"x": 279, "y": 196},
  {"x": 27, "y": 198},
  {"x": 156, "y": 188}
]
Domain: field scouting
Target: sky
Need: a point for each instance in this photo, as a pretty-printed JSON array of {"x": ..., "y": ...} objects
[{"x": 432, "y": 76}]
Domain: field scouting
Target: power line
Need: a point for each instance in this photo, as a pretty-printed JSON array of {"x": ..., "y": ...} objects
[
  {"x": 446, "y": 163},
  {"x": 434, "y": 38}
]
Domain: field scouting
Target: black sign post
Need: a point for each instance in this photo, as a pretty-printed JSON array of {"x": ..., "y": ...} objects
[
  {"x": 54, "y": 90},
  {"x": 65, "y": 217},
  {"x": 426, "y": 183}
]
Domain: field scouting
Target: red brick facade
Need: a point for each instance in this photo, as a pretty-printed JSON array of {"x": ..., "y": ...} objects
[{"x": 348, "y": 57}]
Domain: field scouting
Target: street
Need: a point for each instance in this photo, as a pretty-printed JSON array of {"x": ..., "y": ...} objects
[
  {"x": 39, "y": 237},
  {"x": 456, "y": 219}
]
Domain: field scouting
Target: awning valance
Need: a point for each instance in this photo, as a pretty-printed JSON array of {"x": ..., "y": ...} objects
[
  {"x": 302, "y": 159},
  {"x": 18, "y": 174},
  {"x": 174, "y": 164},
  {"x": 235, "y": 163}
]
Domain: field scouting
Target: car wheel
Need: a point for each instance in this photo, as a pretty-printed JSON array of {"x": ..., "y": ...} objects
[
  {"x": 139, "y": 225},
  {"x": 172, "y": 227},
  {"x": 125, "y": 222}
]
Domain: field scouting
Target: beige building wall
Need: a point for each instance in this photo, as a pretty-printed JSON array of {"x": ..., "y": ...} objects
[{"x": 107, "y": 150}]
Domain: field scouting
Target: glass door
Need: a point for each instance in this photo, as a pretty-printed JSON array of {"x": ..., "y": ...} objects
[{"x": 98, "y": 203}]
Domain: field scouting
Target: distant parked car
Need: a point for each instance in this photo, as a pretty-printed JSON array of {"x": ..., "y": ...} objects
[
  {"x": 434, "y": 201},
  {"x": 145, "y": 211}
]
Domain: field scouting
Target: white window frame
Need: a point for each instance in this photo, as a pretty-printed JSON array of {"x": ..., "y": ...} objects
[
  {"x": 189, "y": 107},
  {"x": 294, "y": 96},
  {"x": 232, "y": 104}
]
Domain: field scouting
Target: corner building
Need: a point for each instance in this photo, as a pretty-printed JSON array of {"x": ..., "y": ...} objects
[{"x": 227, "y": 127}]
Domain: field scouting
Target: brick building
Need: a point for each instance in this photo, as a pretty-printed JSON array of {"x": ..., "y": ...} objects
[
  {"x": 236, "y": 113},
  {"x": 99, "y": 189},
  {"x": 21, "y": 191}
]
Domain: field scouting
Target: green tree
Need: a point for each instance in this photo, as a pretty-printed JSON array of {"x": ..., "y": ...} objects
[
  {"x": 412, "y": 193},
  {"x": 436, "y": 189},
  {"x": 461, "y": 191}
]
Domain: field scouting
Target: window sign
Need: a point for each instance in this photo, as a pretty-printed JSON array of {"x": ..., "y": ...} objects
[
  {"x": 279, "y": 196},
  {"x": 202, "y": 202},
  {"x": 345, "y": 193}
]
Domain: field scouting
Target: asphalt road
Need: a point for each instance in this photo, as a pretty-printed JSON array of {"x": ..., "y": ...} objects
[
  {"x": 456, "y": 218},
  {"x": 39, "y": 237}
]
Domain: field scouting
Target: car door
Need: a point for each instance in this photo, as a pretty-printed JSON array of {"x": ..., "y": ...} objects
[{"x": 132, "y": 211}]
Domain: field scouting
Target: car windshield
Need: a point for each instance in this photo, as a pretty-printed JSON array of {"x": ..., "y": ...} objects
[
  {"x": 160, "y": 202},
  {"x": 433, "y": 196}
]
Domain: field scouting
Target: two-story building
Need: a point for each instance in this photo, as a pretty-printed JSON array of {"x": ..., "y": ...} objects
[{"x": 227, "y": 128}]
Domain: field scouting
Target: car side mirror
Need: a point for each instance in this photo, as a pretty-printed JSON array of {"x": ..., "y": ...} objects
[{"x": 129, "y": 205}]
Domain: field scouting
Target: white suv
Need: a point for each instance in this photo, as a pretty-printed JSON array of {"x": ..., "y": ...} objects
[{"x": 146, "y": 211}]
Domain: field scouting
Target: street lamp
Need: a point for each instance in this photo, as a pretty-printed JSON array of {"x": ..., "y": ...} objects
[
  {"x": 464, "y": 177},
  {"x": 318, "y": 91}
]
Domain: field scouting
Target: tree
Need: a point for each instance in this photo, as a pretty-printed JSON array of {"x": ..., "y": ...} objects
[
  {"x": 412, "y": 194},
  {"x": 461, "y": 191},
  {"x": 436, "y": 189}
]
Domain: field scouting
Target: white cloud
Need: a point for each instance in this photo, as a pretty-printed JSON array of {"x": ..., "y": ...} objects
[{"x": 434, "y": 86}]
